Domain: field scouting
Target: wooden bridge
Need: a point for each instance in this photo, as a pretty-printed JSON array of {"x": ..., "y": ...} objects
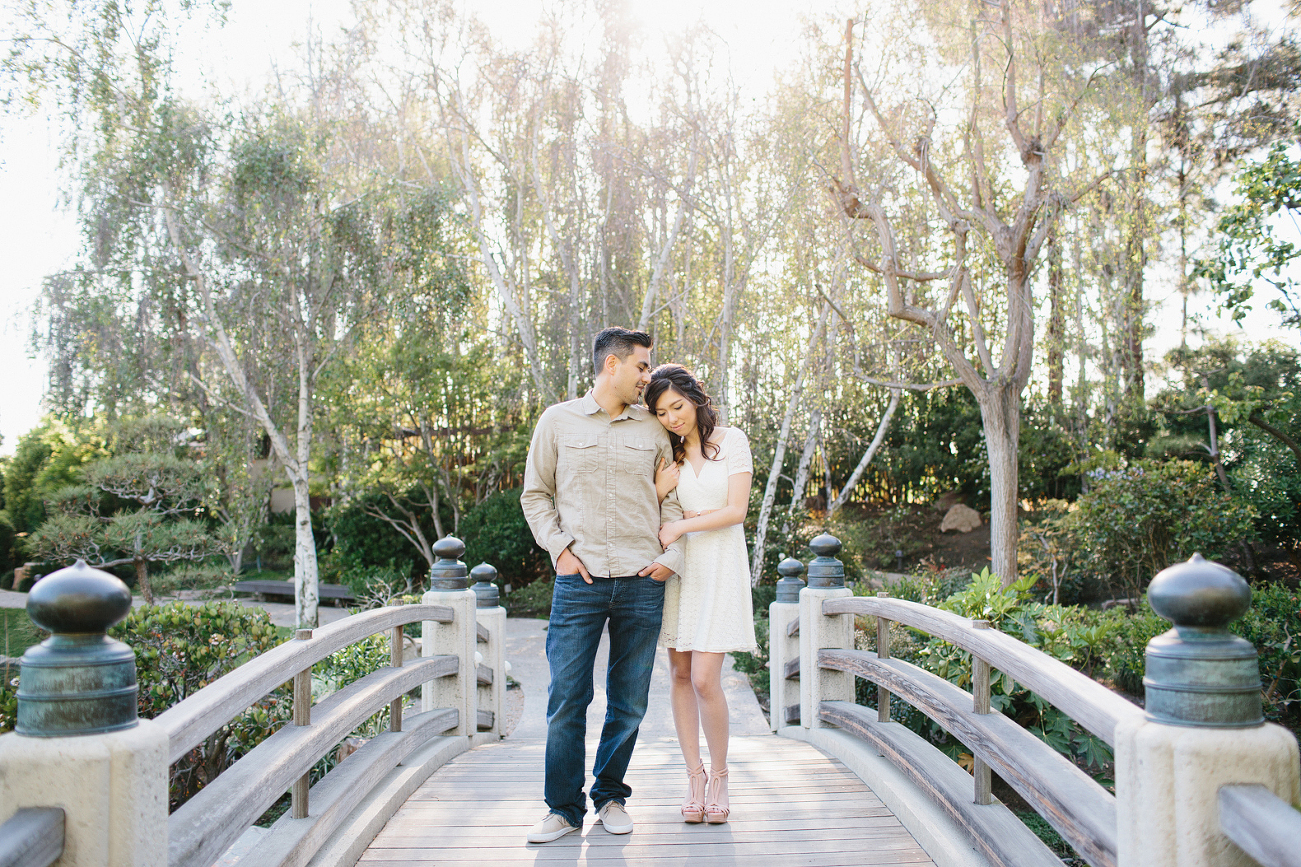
[{"x": 834, "y": 784}]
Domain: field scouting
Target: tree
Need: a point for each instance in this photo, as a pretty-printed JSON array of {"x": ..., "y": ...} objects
[
  {"x": 138, "y": 507},
  {"x": 1250, "y": 250},
  {"x": 994, "y": 236}
]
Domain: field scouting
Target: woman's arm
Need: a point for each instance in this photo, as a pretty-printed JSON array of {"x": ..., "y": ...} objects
[
  {"x": 738, "y": 503},
  {"x": 666, "y": 478}
]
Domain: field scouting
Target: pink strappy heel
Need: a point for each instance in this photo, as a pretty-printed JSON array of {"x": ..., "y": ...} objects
[
  {"x": 693, "y": 808},
  {"x": 717, "y": 806}
]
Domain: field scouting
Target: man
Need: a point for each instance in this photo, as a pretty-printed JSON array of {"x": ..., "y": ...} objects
[{"x": 589, "y": 497}]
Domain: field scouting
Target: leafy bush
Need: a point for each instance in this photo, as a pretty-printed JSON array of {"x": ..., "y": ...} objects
[
  {"x": 363, "y": 541},
  {"x": 1139, "y": 519},
  {"x": 1126, "y": 660},
  {"x": 531, "y": 601},
  {"x": 1273, "y": 625},
  {"x": 495, "y": 532},
  {"x": 182, "y": 648}
]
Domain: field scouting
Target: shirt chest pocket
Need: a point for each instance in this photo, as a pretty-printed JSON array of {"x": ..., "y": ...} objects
[
  {"x": 636, "y": 456},
  {"x": 578, "y": 453}
]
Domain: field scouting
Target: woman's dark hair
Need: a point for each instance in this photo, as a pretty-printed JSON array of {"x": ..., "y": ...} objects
[{"x": 681, "y": 380}]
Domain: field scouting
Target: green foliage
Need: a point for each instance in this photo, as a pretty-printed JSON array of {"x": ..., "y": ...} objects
[
  {"x": 1273, "y": 626},
  {"x": 1138, "y": 519},
  {"x": 135, "y": 508},
  {"x": 755, "y": 665},
  {"x": 182, "y": 648},
  {"x": 1250, "y": 249},
  {"x": 495, "y": 532},
  {"x": 1254, "y": 391},
  {"x": 533, "y": 600},
  {"x": 1126, "y": 660},
  {"x": 363, "y": 542}
]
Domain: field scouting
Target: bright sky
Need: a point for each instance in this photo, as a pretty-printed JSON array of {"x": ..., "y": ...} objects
[{"x": 38, "y": 234}]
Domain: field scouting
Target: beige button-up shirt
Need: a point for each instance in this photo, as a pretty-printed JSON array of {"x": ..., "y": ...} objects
[{"x": 589, "y": 485}]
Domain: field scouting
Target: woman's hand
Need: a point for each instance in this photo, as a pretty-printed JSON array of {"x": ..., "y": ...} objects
[
  {"x": 670, "y": 533},
  {"x": 666, "y": 478}
]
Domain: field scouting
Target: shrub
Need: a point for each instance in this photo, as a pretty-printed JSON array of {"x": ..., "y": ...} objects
[
  {"x": 1139, "y": 519},
  {"x": 182, "y": 648},
  {"x": 495, "y": 532},
  {"x": 531, "y": 601},
  {"x": 363, "y": 541},
  {"x": 1273, "y": 625}
]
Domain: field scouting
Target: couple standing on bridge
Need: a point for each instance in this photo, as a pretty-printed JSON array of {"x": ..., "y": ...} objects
[{"x": 605, "y": 489}]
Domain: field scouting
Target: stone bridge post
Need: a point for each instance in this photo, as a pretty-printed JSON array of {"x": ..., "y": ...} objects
[
  {"x": 447, "y": 582},
  {"x": 1202, "y": 729},
  {"x": 79, "y": 745},
  {"x": 784, "y": 648},
  {"x": 826, "y": 581},
  {"x": 492, "y": 655}
]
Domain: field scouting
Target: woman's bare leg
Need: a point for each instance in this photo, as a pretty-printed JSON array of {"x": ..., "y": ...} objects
[
  {"x": 706, "y": 683},
  {"x": 686, "y": 715}
]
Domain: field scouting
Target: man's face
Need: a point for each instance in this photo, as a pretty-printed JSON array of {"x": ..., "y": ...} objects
[{"x": 632, "y": 375}]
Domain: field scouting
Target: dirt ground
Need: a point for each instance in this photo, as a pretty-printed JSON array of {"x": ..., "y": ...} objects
[{"x": 877, "y": 535}]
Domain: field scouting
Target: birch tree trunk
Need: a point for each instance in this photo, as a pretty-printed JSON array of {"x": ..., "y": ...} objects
[
  {"x": 779, "y": 453},
  {"x": 882, "y": 426}
]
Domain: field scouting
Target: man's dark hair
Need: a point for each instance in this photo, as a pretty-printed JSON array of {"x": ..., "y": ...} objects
[{"x": 619, "y": 342}]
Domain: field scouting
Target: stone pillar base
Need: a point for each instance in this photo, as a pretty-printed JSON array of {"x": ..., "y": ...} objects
[
  {"x": 112, "y": 788},
  {"x": 1167, "y": 783}
]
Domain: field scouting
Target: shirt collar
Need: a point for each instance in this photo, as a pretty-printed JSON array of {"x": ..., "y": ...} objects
[{"x": 590, "y": 407}]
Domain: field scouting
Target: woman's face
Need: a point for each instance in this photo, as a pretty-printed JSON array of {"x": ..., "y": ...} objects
[{"x": 676, "y": 412}]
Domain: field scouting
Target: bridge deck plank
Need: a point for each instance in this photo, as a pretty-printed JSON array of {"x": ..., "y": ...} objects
[{"x": 791, "y": 806}]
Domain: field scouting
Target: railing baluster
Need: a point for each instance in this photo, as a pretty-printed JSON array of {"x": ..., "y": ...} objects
[
  {"x": 302, "y": 717},
  {"x": 882, "y": 652},
  {"x": 395, "y": 660},
  {"x": 980, "y": 704}
]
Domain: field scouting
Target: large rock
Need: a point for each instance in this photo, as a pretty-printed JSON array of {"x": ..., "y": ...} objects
[{"x": 962, "y": 518}]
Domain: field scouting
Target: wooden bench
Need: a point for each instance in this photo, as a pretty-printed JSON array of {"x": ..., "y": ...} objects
[{"x": 261, "y": 589}]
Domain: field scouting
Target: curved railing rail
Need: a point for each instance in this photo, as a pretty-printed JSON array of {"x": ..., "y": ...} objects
[
  {"x": 1261, "y": 824},
  {"x": 1077, "y": 807},
  {"x": 189, "y": 722},
  {"x": 209, "y": 822},
  {"x": 1089, "y": 703}
]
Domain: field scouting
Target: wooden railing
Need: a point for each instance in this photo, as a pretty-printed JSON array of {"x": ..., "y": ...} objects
[
  {"x": 32, "y": 837},
  {"x": 209, "y": 822},
  {"x": 1200, "y": 777},
  {"x": 1261, "y": 824},
  {"x": 1077, "y": 807}
]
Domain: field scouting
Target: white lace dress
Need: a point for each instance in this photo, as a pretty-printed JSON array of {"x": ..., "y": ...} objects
[{"x": 708, "y": 606}]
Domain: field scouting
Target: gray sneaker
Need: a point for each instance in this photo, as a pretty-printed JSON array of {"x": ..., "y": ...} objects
[
  {"x": 615, "y": 818},
  {"x": 552, "y": 827}
]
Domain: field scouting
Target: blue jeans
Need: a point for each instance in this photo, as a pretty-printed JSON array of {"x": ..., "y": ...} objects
[{"x": 634, "y": 607}]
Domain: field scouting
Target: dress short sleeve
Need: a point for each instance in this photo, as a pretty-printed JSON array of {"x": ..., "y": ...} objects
[{"x": 738, "y": 453}]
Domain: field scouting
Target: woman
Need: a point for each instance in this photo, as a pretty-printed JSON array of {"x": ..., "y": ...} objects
[{"x": 707, "y": 609}]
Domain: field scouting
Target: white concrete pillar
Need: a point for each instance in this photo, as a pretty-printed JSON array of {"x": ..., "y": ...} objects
[
  {"x": 112, "y": 788},
  {"x": 782, "y": 648},
  {"x": 818, "y": 631},
  {"x": 493, "y": 655},
  {"x": 453, "y": 639},
  {"x": 1167, "y": 782}
]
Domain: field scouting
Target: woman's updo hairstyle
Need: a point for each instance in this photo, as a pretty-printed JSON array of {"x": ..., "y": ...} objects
[{"x": 675, "y": 377}]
